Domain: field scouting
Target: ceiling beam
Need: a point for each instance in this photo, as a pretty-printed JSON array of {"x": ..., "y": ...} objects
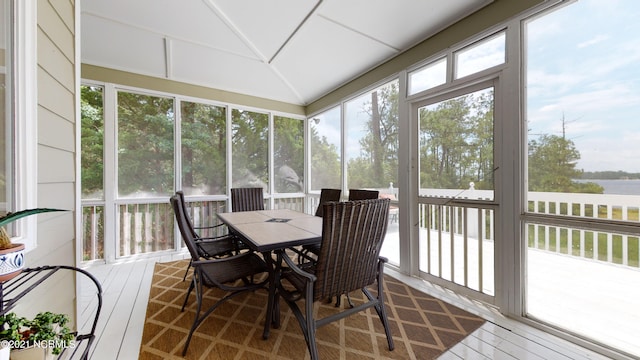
[{"x": 295, "y": 31}]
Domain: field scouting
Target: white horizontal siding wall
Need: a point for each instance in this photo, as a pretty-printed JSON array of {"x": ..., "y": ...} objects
[{"x": 55, "y": 156}]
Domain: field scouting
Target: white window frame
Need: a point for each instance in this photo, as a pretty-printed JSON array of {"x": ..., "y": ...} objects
[{"x": 24, "y": 99}]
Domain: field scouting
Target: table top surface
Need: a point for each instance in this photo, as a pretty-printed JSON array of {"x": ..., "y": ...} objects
[{"x": 267, "y": 230}]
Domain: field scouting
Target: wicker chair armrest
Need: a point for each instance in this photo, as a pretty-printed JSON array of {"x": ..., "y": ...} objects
[{"x": 294, "y": 267}]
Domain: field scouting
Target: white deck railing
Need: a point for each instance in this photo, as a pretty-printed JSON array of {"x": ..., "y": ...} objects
[{"x": 148, "y": 227}]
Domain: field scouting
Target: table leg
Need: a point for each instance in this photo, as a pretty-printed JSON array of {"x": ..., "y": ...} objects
[
  {"x": 273, "y": 305},
  {"x": 276, "y": 298}
]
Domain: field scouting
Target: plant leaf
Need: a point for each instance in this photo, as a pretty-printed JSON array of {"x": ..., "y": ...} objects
[{"x": 10, "y": 217}]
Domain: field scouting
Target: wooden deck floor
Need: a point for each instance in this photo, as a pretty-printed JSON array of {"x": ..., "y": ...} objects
[{"x": 126, "y": 290}]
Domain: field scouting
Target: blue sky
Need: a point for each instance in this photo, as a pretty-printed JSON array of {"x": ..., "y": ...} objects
[{"x": 584, "y": 65}]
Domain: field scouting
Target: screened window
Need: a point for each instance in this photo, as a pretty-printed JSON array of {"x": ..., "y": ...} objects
[
  {"x": 92, "y": 142},
  {"x": 250, "y": 149},
  {"x": 288, "y": 154},
  {"x": 325, "y": 135},
  {"x": 372, "y": 138},
  {"x": 203, "y": 148},
  {"x": 482, "y": 55},
  {"x": 428, "y": 77},
  {"x": 145, "y": 145},
  {"x": 92, "y": 174}
]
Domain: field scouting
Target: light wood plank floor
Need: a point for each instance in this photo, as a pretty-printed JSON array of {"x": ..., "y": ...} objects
[{"x": 126, "y": 291}]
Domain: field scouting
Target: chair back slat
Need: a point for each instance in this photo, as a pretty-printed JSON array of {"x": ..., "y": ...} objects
[
  {"x": 352, "y": 235},
  {"x": 361, "y": 194},
  {"x": 327, "y": 195},
  {"x": 247, "y": 199}
]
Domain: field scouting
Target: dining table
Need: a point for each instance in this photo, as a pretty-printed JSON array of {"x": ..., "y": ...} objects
[{"x": 272, "y": 232}]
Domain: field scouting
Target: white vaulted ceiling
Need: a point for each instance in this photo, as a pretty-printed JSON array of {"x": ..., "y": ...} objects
[{"x": 287, "y": 50}]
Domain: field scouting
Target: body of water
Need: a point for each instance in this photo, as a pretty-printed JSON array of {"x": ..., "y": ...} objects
[{"x": 618, "y": 187}]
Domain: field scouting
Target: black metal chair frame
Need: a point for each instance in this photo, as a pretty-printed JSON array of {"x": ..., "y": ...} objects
[
  {"x": 349, "y": 260},
  {"x": 208, "y": 247},
  {"x": 234, "y": 274}
]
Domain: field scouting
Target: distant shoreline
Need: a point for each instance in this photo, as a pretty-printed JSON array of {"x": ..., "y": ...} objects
[
  {"x": 609, "y": 175},
  {"x": 616, "y": 186}
]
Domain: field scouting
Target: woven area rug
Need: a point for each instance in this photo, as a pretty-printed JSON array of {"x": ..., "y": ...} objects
[{"x": 423, "y": 327}]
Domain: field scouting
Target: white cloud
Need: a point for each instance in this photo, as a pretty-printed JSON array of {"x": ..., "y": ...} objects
[{"x": 593, "y": 41}]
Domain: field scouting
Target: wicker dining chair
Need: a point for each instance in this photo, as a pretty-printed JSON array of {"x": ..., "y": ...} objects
[
  {"x": 211, "y": 246},
  {"x": 247, "y": 199},
  {"x": 326, "y": 195},
  {"x": 354, "y": 194},
  {"x": 234, "y": 274},
  {"x": 349, "y": 260}
]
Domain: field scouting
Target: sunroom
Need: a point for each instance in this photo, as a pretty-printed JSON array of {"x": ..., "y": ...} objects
[{"x": 502, "y": 131}]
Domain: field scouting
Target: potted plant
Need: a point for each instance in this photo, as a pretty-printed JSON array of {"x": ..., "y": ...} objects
[
  {"x": 40, "y": 338},
  {"x": 12, "y": 255}
]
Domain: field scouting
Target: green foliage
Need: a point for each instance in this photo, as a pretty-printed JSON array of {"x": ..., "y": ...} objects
[
  {"x": 610, "y": 175},
  {"x": 250, "y": 141},
  {"x": 204, "y": 147},
  {"x": 552, "y": 166},
  {"x": 145, "y": 144},
  {"x": 325, "y": 162},
  {"x": 456, "y": 148},
  {"x": 92, "y": 141},
  {"x": 288, "y": 154},
  {"x": 456, "y": 142},
  {"x": 377, "y": 164},
  {"x": 12, "y": 326},
  {"x": 44, "y": 327}
]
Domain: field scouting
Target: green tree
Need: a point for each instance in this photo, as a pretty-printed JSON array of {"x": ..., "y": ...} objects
[
  {"x": 325, "y": 162},
  {"x": 288, "y": 154},
  {"x": 552, "y": 166},
  {"x": 444, "y": 132},
  {"x": 145, "y": 144},
  {"x": 482, "y": 143},
  {"x": 377, "y": 165},
  {"x": 456, "y": 142},
  {"x": 204, "y": 147},
  {"x": 92, "y": 142},
  {"x": 250, "y": 148}
]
